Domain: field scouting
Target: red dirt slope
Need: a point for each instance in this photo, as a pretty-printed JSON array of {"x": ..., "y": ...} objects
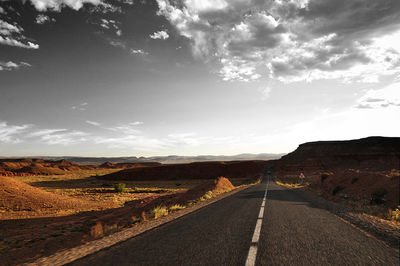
[
  {"x": 198, "y": 170},
  {"x": 18, "y": 196},
  {"x": 28, "y": 167},
  {"x": 24, "y": 167}
]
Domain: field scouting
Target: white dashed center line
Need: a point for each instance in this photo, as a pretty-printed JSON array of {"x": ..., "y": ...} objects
[{"x": 251, "y": 257}]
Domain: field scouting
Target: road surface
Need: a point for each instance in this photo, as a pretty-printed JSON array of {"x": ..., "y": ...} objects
[{"x": 264, "y": 225}]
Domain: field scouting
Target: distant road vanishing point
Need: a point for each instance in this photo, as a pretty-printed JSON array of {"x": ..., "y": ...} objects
[{"x": 263, "y": 225}]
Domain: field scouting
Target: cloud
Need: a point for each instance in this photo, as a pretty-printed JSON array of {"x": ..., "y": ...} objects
[
  {"x": 136, "y": 123},
  {"x": 57, "y": 5},
  {"x": 80, "y": 107},
  {"x": 93, "y": 123},
  {"x": 42, "y": 19},
  {"x": 129, "y": 128},
  {"x": 12, "y": 35},
  {"x": 44, "y": 132},
  {"x": 111, "y": 25},
  {"x": 105, "y": 8},
  {"x": 11, "y": 133},
  {"x": 293, "y": 40},
  {"x": 388, "y": 96},
  {"x": 12, "y": 66},
  {"x": 162, "y": 34},
  {"x": 139, "y": 52},
  {"x": 31, "y": 133},
  {"x": 63, "y": 137}
]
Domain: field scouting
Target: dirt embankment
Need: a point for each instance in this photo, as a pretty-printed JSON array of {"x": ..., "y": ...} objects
[
  {"x": 32, "y": 167},
  {"x": 18, "y": 196},
  {"x": 27, "y": 239},
  {"x": 198, "y": 170},
  {"x": 366, "y": 187},
  {"x": 365, "y": 170}
]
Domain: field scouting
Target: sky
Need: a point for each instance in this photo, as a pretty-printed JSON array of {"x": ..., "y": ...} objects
[{"x": 191, "y": 77}]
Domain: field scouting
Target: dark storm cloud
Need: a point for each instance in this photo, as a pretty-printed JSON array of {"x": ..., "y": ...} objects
[
  {"x": 346, "y": 17},
  {"x": 290, "y": 40}
]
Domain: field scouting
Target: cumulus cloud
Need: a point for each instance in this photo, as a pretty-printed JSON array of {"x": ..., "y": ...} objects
[
  {"x": 293, "y": 40},
  {"x": 111, "y": 25},
  {"x": 104, "y": 8},
  {"x": 42, "y": 19},
  {"x": 162, "y": 34},
  {"x": 12, "y": 35},
  {"x": 388, "y": 96},
  {"x": 139, "y": 52},
  {"x": 57, "y": 5},
  {"x": 12, "y": 66}
]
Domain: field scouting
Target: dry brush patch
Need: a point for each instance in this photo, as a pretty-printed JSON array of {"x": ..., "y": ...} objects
[{"x": 30, "y": 238}]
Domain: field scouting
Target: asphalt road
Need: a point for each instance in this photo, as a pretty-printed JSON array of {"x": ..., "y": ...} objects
[{"x": 293, "y": 232}]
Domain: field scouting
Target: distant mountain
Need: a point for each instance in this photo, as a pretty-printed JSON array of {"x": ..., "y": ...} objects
[{"x": 164, "y": 159}]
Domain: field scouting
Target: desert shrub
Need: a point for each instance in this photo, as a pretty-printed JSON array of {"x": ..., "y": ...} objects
[
  {"x": 207, "y": 196},
  {"x": 377, "y": 197},
  {"x": 176, "y": 207},
  {"x": 158, "y": 212},
  {"x": 394, "y": 215},
  {"x": 120, "y": 187},
  {"x": 323, "y": 177},
  {"x": 355, "y": 179},
  {"x": 336, "y": 190}
]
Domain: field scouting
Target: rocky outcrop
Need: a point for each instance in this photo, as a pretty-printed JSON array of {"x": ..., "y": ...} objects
[{"x": 369, "y": 154}]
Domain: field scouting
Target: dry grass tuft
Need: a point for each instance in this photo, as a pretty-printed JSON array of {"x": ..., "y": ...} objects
[
  {"x": 207, "y": 196},
  {"x": 158, "y": 212},
  {"x": 292, "y": 185},
  {"x": 176, "y": 207}
]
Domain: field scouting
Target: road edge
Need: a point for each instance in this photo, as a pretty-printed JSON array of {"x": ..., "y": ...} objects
[{"x": 67, "y": 256}]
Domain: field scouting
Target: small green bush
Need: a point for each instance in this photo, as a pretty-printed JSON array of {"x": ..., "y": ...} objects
[{"x": 120, "y": 187}]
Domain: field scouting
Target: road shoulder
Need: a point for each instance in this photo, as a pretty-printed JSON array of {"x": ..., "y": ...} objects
[{"x": 67, "y": 256}]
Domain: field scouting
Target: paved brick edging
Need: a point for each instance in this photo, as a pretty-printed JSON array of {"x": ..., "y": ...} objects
[{"x": 68, "y": 256}]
